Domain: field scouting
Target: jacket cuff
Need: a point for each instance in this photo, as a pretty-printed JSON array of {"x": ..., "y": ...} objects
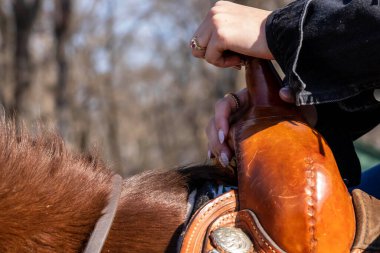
[{"x": 283, "y": 33}]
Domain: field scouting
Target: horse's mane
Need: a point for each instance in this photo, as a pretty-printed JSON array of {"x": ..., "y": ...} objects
[
  {"x": 51, "y": 198},
  {"x": 46, "y": 192}
]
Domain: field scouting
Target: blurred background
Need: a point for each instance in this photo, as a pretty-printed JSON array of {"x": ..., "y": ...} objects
[{"x": 119, "y": 75}]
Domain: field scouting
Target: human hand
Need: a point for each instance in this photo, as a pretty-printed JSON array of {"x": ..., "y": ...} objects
[
  {"x": 218, "y": 128},
  {"x": 230, "y": 27},
  {"x": 308, "y": 112}
]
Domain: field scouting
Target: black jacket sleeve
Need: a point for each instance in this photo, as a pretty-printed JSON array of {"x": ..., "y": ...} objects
[{"x": 328, "y": 49}]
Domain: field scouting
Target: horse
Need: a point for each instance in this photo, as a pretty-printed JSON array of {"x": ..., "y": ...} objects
[{"x": 51, "y": 198}]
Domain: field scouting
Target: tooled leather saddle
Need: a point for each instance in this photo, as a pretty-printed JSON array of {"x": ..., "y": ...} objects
[{"x": 290, "y": 197}]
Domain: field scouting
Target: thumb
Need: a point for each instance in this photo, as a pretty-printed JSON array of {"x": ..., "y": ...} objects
[{"x": 287, "y": 95}]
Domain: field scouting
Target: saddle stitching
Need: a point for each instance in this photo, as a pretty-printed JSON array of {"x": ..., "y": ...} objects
[
  {"x": 225, "y": 219},
  {"x": 218, "y": 202},
  {"x": 310, "y": 200},
  {"x": 366, "y": 209},
  {"x": 257, "y": 232}
]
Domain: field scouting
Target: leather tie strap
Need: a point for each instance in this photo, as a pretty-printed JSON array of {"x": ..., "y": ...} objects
[{"x": 103, "y": 225}]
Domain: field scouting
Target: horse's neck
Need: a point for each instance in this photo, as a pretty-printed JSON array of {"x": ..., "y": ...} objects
[
  {"x": 48, "y": 216},
  {"x": 48, "y": 211},
  {"x": 150, "y": 215},
  {"x": 153, "y": 208},
  {"x": 49, "y": 199}
]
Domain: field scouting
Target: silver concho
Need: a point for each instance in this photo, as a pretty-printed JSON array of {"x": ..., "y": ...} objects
[{"x": 231, "y": 240}]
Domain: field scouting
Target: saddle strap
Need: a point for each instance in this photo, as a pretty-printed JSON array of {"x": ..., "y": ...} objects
[{"x": 103, "y": 225}]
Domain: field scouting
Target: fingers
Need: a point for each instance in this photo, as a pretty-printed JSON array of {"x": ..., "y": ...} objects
[
  {"x": 231, "y": 27},
  {"x": 202, "y": 37},
  {"x": 217, "y": 54},
  {"x": 225, "y": 107},
  {"x": 205, "y": 45},
  {"x": 287, "y": 95},
  {"x": 216, "y": 147},
  {"x": 210, "y": 39},
  {"x": 309, "y": 112},
  {"x": 219, "y": 125}
]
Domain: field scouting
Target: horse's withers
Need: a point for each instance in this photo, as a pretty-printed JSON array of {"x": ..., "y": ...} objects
[{"x": 287, "y": 173}]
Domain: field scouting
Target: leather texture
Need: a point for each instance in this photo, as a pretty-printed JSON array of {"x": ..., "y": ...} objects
[
  {"x": 223, "y": 212},
  {"x": 287, "y": 174},
  {"x": 204, "y": 217},
  {"x": 248, "y": 222},
  {"x": 367, "y": 211}
]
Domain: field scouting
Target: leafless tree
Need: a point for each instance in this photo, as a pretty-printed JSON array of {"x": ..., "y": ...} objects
[
  {"x": 118, "y": 75},
  {"x": 62, "y": 20},
  {"x": 25, "y": 14}
]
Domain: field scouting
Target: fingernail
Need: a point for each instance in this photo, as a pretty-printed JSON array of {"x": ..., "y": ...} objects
[
  {"x": 286, "y": 94},
  {"x": 209, "y": 154},
  {"x": 237, "y": 67},
  {"x": 221, "y": 136},
  {"x": 223, "y": 159}
]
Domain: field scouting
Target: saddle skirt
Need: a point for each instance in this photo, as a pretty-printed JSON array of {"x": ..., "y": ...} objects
[
  {"x": 290, "y": 197},
  {"x": 220, "y": 227}
]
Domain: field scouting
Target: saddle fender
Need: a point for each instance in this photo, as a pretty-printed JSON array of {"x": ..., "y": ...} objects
[
  {"x": 290, "y": 197},
  {"x": 287, "y": 174}
]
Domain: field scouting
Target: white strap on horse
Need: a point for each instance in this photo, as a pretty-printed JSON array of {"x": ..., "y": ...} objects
[{"x": 103, "y": 225}]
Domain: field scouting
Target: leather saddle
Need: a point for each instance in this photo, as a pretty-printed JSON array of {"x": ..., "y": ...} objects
[{"x": 290, "y": 197}]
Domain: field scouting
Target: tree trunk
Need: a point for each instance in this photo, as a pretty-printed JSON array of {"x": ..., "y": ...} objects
[
  {"x": 62, "y": 17},
  {"x": 112, "y": 109},
  {"x": 4, "y": 59},
  {"x": 25, "y": 13}
]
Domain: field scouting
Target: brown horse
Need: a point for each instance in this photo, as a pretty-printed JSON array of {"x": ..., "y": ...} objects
[{"x": 51, "y": 199}]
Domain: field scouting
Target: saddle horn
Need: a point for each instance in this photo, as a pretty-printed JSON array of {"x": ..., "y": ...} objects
[
  {"x": 290, "y": 197},
  {"x": 287, "y": 173}
]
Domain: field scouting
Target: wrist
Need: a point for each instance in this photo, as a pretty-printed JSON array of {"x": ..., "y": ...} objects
[
  {"x": 267, "y": 54},
  {"x": 257, "y": 25}
]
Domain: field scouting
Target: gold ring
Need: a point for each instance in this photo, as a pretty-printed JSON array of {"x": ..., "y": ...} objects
[
  {"x": 235, "y": 98},
  {"x": 194, "y": 44}
]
